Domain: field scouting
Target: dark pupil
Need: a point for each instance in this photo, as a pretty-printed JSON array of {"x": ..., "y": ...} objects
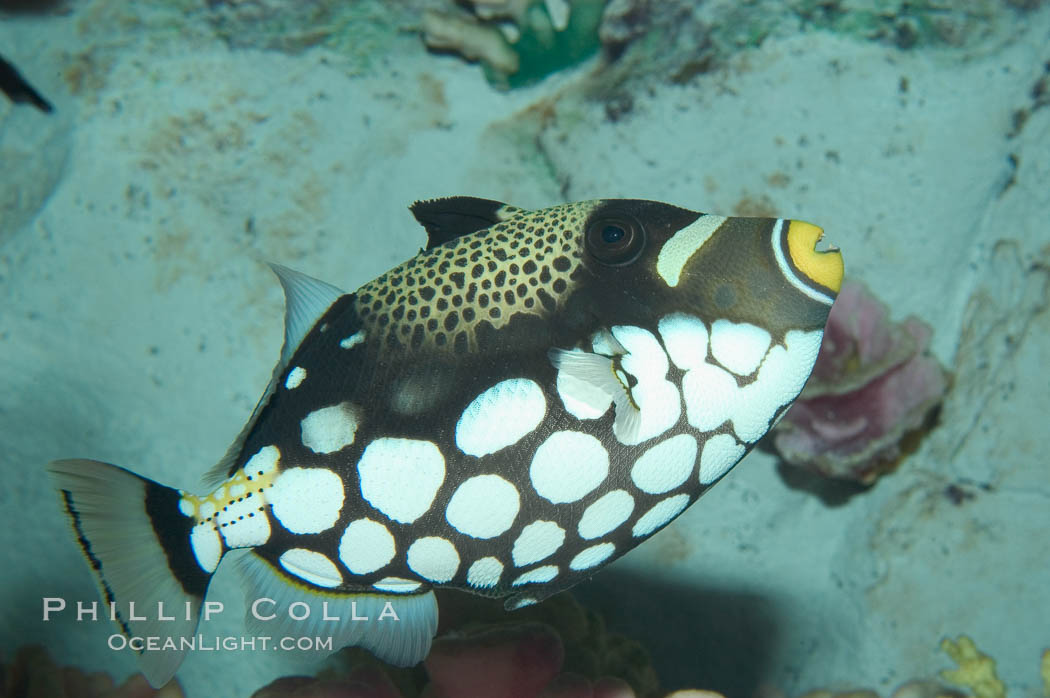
[{"x": 612, "y": 234}]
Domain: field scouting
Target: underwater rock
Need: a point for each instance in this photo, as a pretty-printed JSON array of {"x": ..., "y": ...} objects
[
  {"x": 517, "y": 42},
  {"x": 33, "y": 674},
  {"x": 873, "y": 387},
  {"x": 34, "y": 153}
]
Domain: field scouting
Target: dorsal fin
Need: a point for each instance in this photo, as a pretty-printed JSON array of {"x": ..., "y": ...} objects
[
  {"x": 305, "y": 300},
  {"x": 449, "y": 218}
]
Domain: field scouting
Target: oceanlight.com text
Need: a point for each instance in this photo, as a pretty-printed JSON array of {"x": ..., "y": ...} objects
[{"x": 220, "y": 643}]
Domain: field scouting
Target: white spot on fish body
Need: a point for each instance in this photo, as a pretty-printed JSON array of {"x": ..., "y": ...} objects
[
  {"x": 739, "y": 346},
  {"x": 645, "y": 357},
  {"x": 685, "y": 338},
  {"x": 666, "y": 465},
  {"x": 243, "y": 524},
  {"x": 311, "y": 566},
  {"x": 484, "y": 506},
  {"x": 538, "y": 540},
  {"x": 500, "y": 416},
  {"x": 568, "y": 466},
  {"x": 538, "y": 575},
  {"x": 720, "y": 453},
  {"x": 434, "y": 559},
  {"x": 592, "y": 556},
  {"x": 263, "y": 461},
  {"x": 396, "y": 585},
  {"x": 521, "y": 603},
  {"x": 306, "y": 500},
  {"x": 366, "y": 546},
  {"x": 659, "y": 405},
  {"x": 605, "y": 514},
  {"x": 353, "y": 340},
  {"x": 780, "y": 379},
  {"x": 295, "y": 378},
  {"x": 330, "y": 429},
  {"x": 711, "y": 395},
  {"x": 400, "y": 477},
  {"x": 206, "y": 545},
  {"x": 485, "y": 573},
  {"x": 660, "y": 514}
]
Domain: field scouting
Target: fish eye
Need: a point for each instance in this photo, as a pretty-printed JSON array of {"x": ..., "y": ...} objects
[
  {"x": 615, "y": 241},
  {"x": 613, "y": 233}
]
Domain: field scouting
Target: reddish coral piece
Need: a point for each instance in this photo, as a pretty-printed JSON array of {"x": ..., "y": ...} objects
[
  {"x": 874, "y": 383},
  {"x": 515, "y": 662}
]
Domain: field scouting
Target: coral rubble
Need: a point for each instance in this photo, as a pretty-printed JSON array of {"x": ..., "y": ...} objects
[{"x": 517, "y": 41}]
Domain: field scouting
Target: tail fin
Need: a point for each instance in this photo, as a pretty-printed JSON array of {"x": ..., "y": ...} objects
[{"x": 137, "y": 543}]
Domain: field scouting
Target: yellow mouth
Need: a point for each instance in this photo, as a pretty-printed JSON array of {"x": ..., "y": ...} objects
[{"x": 824, "y": 268}]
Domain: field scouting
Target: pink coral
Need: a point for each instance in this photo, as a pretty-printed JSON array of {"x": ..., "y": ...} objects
[{"x": 873, "y": 385}]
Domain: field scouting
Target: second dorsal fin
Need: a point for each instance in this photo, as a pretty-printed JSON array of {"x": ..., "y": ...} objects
[{"x": 449, "y": 218}]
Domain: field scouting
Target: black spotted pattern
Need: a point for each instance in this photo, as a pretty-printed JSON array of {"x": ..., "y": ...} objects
[{"x": 524, "y": 264}]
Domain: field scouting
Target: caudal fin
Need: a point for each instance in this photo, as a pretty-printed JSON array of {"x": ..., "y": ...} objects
[{"x": 137, "y": 543}]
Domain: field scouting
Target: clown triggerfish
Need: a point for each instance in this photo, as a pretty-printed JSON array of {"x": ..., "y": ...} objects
[{"x": 522, "y": 402}]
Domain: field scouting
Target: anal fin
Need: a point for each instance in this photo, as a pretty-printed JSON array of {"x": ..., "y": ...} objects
[
  {"x": 396, "y": 628},
  {"x": 532, "y": 594}
]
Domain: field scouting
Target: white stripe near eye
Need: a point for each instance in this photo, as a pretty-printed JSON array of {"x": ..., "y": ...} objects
[{"x": 676, "y": 252}]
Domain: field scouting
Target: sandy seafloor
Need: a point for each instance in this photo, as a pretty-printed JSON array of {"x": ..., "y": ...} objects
[{"x": 138, "y": 323}]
